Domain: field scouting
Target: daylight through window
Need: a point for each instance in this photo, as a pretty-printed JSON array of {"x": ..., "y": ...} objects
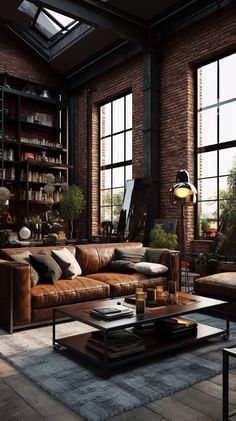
[
  {"x": 115, "y": 156},
  {"x": 216, "y": 142}
]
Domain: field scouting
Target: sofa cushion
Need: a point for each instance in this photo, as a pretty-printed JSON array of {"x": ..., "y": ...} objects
[
  {"x": 151, "y": 268},
  {"x": 135, "y": 255},
  {"x": 46, "y": 266},
  {"x": 122, "y": 266},
  {"x": 67, "y": 262},
  {"x": 124, "y": 284},
  {"x": 221, "y": 286},
  {"x": 94, "y": 258},
  {"x": 68, "y": 292},
  {"x": 24, "y": 257}
]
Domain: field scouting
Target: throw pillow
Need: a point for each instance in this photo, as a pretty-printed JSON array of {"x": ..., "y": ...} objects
[
  {"x": 67, "y": 262},
  {"x": 134, "y": 255},
  {"x": 25, "y": 258},
  {"x": 151, "y": 268},
  {"x": 153, "y": 254},
  {"x": 122, "y": 266},
  {"x": 46, "y": 266}
]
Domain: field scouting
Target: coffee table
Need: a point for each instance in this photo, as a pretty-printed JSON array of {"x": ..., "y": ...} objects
[{"x": 154, "y": 344}]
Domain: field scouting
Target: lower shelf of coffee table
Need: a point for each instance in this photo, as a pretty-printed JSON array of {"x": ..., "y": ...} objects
[{"x": 154, "y": 346}]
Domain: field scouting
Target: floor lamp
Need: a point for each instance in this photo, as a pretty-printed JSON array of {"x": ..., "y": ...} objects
[{"x": 183, "y": 192}]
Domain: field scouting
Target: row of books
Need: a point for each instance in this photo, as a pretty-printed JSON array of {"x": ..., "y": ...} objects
[{"x": 119, "y": 343}]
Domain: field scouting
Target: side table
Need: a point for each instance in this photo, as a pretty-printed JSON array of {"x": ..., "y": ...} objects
[{"x": 227, "y": 352}]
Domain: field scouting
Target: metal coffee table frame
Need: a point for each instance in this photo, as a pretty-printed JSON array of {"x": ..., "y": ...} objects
[{"x": 154, "y": 345}]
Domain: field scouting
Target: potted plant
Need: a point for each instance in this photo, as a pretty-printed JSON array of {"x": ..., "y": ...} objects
[
  {"x": 71, "y": 206},
  {"x": 206, "y": 228},
  {"x": 161, "y": 239}
]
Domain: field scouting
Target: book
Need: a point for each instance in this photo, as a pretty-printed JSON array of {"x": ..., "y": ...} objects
[
  {"x": 117, "y": 337},
  {"x": 115, "y": 353},
  {"x": 110, "y": 313},
  {"x": 176, "y": 326}
]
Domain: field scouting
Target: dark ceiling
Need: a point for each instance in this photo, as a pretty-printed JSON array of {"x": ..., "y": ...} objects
[{"x": 105, "y": 25}]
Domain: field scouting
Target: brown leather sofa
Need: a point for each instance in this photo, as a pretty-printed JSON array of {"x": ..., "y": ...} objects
[{"x": 22, "y": 305}]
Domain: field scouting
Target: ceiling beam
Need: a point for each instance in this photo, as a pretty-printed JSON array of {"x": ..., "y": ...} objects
[{"x": 100, "y": 17}]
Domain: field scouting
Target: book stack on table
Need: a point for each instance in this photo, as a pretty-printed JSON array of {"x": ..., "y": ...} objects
[
  {"x": 119, "y": 343},
  {"x": 110, "y": 313},
  {"x": 176, "y": 327}
]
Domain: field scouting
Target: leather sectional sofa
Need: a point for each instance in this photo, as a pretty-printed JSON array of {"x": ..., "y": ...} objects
[{"x": 23, "y": 305}]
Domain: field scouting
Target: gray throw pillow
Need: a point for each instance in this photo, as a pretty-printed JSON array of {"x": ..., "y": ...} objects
[
  {"x": 151, "y": 268},
  {"x": 122, "y": 266},
  {"x": 46, "y": 266},
  {"x": 24, "y": 257},
  {"x": 134, "y": 255}
]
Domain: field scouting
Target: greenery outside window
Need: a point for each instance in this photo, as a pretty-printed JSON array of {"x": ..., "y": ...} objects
[
  {"x": 115, "y": 155},
  {"x": 216, "y": 143}
]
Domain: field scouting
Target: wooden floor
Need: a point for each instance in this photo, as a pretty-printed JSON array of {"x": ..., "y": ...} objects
[{"x": 22, "y": 400}]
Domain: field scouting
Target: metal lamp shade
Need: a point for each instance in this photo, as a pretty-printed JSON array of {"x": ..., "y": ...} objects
[{"x": 183, "y": 191}]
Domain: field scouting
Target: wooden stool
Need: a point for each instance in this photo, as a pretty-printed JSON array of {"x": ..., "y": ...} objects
[{"x": 227, "y": 352}]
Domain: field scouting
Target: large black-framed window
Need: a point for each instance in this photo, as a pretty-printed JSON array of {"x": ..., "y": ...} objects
[
  {"x": 115, "y": 155},
  {"x": 216, "y": 139}
]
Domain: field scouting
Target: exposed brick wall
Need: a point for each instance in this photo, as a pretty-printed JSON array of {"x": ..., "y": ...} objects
[
  {"x": 179, "y": 56},
  {"x": 19, "y": 61},
  {"x": 213, "y": 36},
  {"x": 124, "y": 78}
]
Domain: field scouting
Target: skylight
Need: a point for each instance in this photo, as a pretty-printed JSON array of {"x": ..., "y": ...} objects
[{"x": 52, "y": 25}]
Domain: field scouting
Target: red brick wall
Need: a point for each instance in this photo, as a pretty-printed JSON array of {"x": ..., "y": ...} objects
[
  {"x": 124, "y": 78},
  {"x": 19, "y": 61},
  {"x": 179, "y": 56},
  {"x": 206, "y": 40}
]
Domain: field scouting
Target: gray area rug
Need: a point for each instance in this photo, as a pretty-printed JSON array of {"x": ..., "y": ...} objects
[{"x": 94, "y": 398}]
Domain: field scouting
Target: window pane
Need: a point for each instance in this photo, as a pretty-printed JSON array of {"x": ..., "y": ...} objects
[
  {"x": 106, "y": 214},
  {"x": 208, "y": 210},
  {"x": 106, "y": 197},
  {"x": 226, "y": 160},
  {"x": 105, "y": 120},
  {"x": 207, "y": 164},
  {"x": 117, "y": 197},
  {"x": 62, "y": 19},
  {"x": 223, "y": 186},
  {"x": 118, "y": 148},
  {"x": 207, "y": 189},
  {"x": 45, "y": 25},
  {"x": 116, "y": 215},
  {"x": 227, "y": 77},
  {"x": 105, "y": 179},
  {"x": 118, "y": 177},
  {"x": 129, "y": 152},
  {"x": 105, "y": 151},
  {"x": 207, "y": 85},
  {"x": 228, "y": 122},
  {"x": 128, "y": 172},
  {"x": 207, "y": 127},
  {"x": 118, "y": 115},
  {"x": 129, "y": 111}
]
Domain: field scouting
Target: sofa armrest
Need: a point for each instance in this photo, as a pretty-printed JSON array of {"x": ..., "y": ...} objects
[
  {"x": 15, "y": 294},
  {"x": 171, "y": 258}
]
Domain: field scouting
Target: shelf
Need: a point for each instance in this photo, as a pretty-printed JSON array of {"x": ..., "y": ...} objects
[
  {"x": 38, "y": 126},
  {"x": 20, "y": 111},
  {"x": 42, "y": 164},
  {"x": 38, "y": 98},
  {"x": 43, "y": 147}
]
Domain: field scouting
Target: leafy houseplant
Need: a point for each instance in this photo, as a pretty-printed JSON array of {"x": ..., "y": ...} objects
[
  {"x": 72, "y": 205},
  {"x": 161, "y": 239}
]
